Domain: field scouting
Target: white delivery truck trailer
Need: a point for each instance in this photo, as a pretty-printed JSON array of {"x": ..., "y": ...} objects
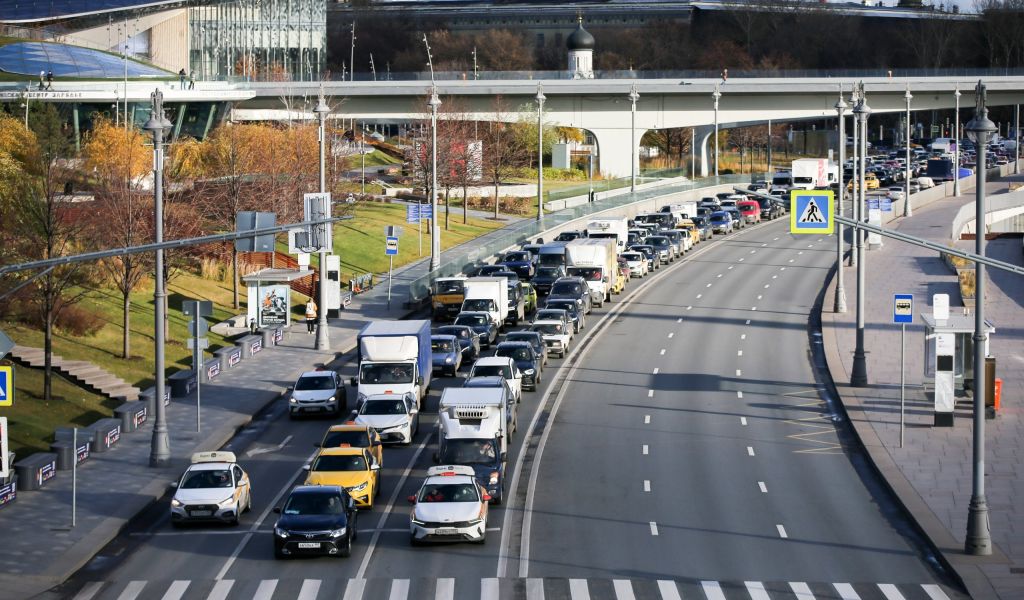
[
  {"x": 616, "y": 228},
  {"x": 810, "y": 173},
  {"x": 488, "y": 294},
  {"x": 394, "y": 358},
  {"x": 596, "y": 261},
  {"x": 473, "y": 429}
]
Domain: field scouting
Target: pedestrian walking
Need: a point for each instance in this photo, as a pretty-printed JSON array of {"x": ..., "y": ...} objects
[
  {"x": 725, "y": 75},
  {"x": 42, "y": 80},
  {"x": 181, "y": 79},
  {"x": 192, "y": 80},
  {"x": 49, "y": 80},
  {"x": 310, "y": 316}
]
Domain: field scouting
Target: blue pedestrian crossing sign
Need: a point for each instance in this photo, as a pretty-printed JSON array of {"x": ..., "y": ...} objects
[
  {"x": 902, "y": 308},
  {"x": 7, "y": 386},
  {"x": 810, "y": 211}
]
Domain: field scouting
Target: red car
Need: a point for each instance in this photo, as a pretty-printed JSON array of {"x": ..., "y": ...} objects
[{"x": 750, "y": 210}]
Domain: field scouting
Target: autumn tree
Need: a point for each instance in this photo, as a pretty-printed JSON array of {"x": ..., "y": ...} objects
[{"x": 503, "y": 150}]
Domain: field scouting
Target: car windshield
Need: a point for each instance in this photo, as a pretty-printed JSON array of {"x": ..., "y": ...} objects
[
  {"x": 449, "y": 492},
  {"x": 556, "y": 315},
  {"x": 548, "y": 328},
  {"x": 547, "y": 272},
  {"x": 355, "y": 438},
  {"x": 459, "y": 332},
  {"x": 566, "y": 287},
  {"x": 489, "y": 370},
  {"x": 383, "y": 407},
  {"x": 518, "y": 257},
  {"x": 521, "y": 337},
  {"x": 206, "y": 478},
  {"x": 659, "y": 242},
  {"x": 385, "y": 373},
  {"x": 588, "y": 273},
  {"x": 336, "y": 462},
  {"x": 568, "y": 306},
  {"x": 468, "y": 452},
  {"x": 471, "y": 320},
  {"x": 314, "y": 504},
  {"x": 314, "y": 382},
  {"x": 444, "y": 346},
  {"x": 449, "y": 287},
  {"x": 719, "y": 217},
  {"x": 483, "y": 304},
  {"x": 514, "y": 353}
]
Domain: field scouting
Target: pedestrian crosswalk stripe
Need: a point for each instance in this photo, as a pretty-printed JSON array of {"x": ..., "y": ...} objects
[
  {"x": 310, "y": 589},
  {"x": 222, "y": 589},
  {"x": 712, "y": 590},
  {"x": 489, "y": 589},
  {"x": 445, "y": 589},
  {"x": 177, "y": 589},
  {"x": 399, "y": 589},
  {"x": 668, "y": 590},
  {"x": 266, "y": 590},
  {"x": 132, "y": 591},
  {"x": 756, "y": 590},
  {"x": 934, "y": 592},
  {"x": 846, "y": 591},
  {"x": 89, "y": 590},
  {"x": 891, "y": 592},
  {"x": 534, "y": 589},
  {"x": 623, "y": 589},
  {"x": 354, "y": 589},
  {"x": 802, "y": 591},
  {"x": 578, "y": 589}
]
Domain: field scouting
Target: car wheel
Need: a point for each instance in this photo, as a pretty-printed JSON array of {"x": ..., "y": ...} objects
[
  {"x": 481, "y": 541},
  {"x": 346, "y": 550},
  {"x": 248, "y": 501},
  {"x": 414, "y": 542},
  {"x": 279, "y": 555}
]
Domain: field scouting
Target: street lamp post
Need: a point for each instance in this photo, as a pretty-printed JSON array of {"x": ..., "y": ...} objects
[
  {"x": 540, "y": 97},
  {"x": 322, "y": 339},
  {"x": 956, "y": 139},
  {"x": 1016, "y": 139},
  {"x": 908, "y": 211},
  {"x": 859, "y": 376},
  {"x": 716, "y": 95},
  {"x": 854, "y": 184},
  {"x": 435, "y": 241},
  {"x": 979, "y": 540},
  {"x": 840, "y": 299},
  {"x": 157, "y": 125},
  {"x": 633, "y": 97}
]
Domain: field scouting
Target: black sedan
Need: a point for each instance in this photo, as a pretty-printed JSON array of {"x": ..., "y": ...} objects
[
  {"x": 315, "y": 520},
  {"x": 523, "y": 354},
  {"x": 573, "y": 288},
  {"x": 534, "y": 339},
  {"x": 545, "y": 277},
  {"x": 575, "y": 312},
  {"x": 481, "y": 324},
  {"x": 469, "y": 340}
]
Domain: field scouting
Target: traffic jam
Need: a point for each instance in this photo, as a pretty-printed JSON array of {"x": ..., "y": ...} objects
[{"x": 492, "y": 341}]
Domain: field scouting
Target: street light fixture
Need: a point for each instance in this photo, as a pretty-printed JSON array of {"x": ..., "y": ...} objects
[
  {"x": 859, "y": 376},
  {"x": 854, "y": 184},
  {"x": 633, "y": 146},
  {"x": 322, "y": 339},
  {"x": 840, "y": 299},
  {"x": 956, "y": 139},
  {"x": 540, "y": 98},
  {"x": 908, "y": 210},
  {"x": 979, "y": 540},
  {"x": 435, "y": 234},
  {"x": 158, "y": 125},
  {"x": 716, "y": 95}
]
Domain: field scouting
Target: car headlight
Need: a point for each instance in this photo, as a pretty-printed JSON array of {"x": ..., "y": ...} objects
[
  {"x": 226, "y": 502},
  {"x": 529, "y": 371},
  {"x": 448, "y": 360},
  {"x": 338, "y": 532},
  {"x": 439, "y": 305},
  {"x": 357, "y": 488},
  {"x": 175, "y": 503},
  {"x": 281, "y": 533},
  {"x": 494, "y": 478},
  {"x": 292, "y": 400},
  {"x": 474, "y": 522},
  {"x": 416, "y": 521},
  {"x": 331, "y": 399}
]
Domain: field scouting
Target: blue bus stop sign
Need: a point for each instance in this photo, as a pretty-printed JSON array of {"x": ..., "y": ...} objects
[{"x": 903, "y": 308}]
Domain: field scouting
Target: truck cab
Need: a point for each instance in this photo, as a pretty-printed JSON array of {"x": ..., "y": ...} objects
[
  {"x": 447, "y": 294},
  {"x": 473, "y": 430},
  {"x": 394, "y": 358}
]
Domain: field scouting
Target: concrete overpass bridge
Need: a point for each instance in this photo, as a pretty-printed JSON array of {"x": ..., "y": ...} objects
[{"x": 600, "y": 106}]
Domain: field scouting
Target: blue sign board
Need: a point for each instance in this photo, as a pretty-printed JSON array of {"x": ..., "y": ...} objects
[
  {"x": 391, "y": 246},
  {"x": 811, "y": 211},
  {"x": 417, "y": 212},
  {"x": 7, "y": 386},
  {"x": 902, "y": 308},
  {"x": 886, "y": 204},
  {"x": 873, "y": 204}
]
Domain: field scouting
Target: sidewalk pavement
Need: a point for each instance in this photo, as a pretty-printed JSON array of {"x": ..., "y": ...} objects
[
  {"x": 932, "y": 473},
  {"x": 40, "y": 549}
]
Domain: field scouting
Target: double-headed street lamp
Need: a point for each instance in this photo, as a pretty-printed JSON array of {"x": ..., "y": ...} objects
[
  {"x": 859, "y": 376},
  {"x": 716, "y": 95},
  {"x": 633, "y": 145},
  {"x": 322, "y": 340},
  {"x": 158, "y": 125},
  {"x": 956, "y": 140},
  {"x": 840, "y": 299},
  {"x": 908, "y": 211},
  {"x": 435, "y": 232},
  {"x": 979, "y": 540},
  {"x": 540, "y": 98}
]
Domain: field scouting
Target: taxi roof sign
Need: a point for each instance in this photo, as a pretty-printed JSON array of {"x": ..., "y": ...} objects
[
  {"x": 812, "y": 211},
  {"x": 208, "y": 457},
  {"x": 450, "y": 470}
]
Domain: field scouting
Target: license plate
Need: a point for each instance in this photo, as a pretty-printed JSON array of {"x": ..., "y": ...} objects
[
  {"x": 446, "y": 531},
  {"x": 309, "y": 544},
  {"x": 201, "y": 513}
]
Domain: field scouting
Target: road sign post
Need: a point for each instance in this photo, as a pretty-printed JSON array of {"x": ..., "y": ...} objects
[
  {"x": 812, "y": 211},
  {"x": 5, "y": 467},
  {"x": 903, "y": 313},
  {"x": 197, "y": 327},
  {"x": 390, "y": 249}
]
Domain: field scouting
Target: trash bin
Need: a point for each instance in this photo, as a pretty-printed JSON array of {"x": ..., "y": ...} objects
[{"x": 997, "y": 392}]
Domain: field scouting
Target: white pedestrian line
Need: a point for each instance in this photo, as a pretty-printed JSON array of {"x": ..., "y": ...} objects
[
  {"x": 645, "y": 449},
  {"x": 762, "y": 487},
  {"x": 623, "y": 589},
  {"x": 743, "y": 421},
  {"x": 310, "y": 588},
  {"x": 739, "y": 394},
  {"x": 578, "y": 589},
  {"x": 654, "y": 528},
  {"x": 647, "y": 485},
  {"x": 759, "y": 296},
  {"x": 782, "y": 531},
  {"x": 650, "y": 393},
  {"x": 662, "y": 352},
  {"x": 712, "y": 590},
  {"x": 934, "y": 592},
  {"x": 750, "y": 451},
  {"x": 753, "y": 308},
  {"x": 132, "y": 591},
  {"x": 489, "y": 588},
  {"x": 267, "y": 587},
  {"x": 445, "y": 589},
  {"x": 748, "y": 322},
  {"x": 223, "y": 587},
  {"x": 679, "y": 320},
  {"x": 656, "y": 369},
  {"x": 88, "y": 590},
  {"x": 668, "y": 590},
  {"x": 671, "y": 335},
  {"x": 689, "y": 308},
  {"x": 743, "y": 336},
  {"x": 699, "y": 296},
  {"x": 647, "y": 419},
  {"x": 178, "y": 587},
  {"x": 708, "y": 285},
  {"x": 890, "y": 591},
  {"x": 801, "y": 589},
  {"x": 739, "y": 373},
  {"x": 767, "y": 285},
  {"x": 783, "y": 268},
  {"x": 756, "y": 590},
  {"x": 739, "y": 353},
  {"x": 719, "y": 275},
  {"x": 534, "y": 589},
  {"x": 846, "y": 591}
]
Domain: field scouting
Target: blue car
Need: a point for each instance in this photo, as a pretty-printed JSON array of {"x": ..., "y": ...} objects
[
  {"x": 469, "y": 340},
  {"x": 482, "y": 325},
  {"x": 447, "y": 353},
  {"x": 522, "y": 262},
  {"x": 721, "y": 222}
]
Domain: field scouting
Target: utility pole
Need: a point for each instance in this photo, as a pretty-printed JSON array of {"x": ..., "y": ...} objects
[
  {"x": 540, "y": 151},
  {"x": 322, "y": 339},
  {"x": 840, "y": 300},
  {"x": 716, "y": 95},
  {"x": 352, "y": 54},
  {"x": 633, "y": 145},
  {"x": 859, "y": 376},
  {"x": 908, "y": 210},
  {"x": 433, "y": 103}
]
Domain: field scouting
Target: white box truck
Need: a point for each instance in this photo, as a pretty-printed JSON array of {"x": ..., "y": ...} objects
[
  {"x": 616, "y": 228},
  {"x": 810, "y": 173},
  {"x": 473, "y": 430},
  {"x": 488, "y": 294},
  {"x": 394, "y": 358},
  {"x": 596, "y": 261}
]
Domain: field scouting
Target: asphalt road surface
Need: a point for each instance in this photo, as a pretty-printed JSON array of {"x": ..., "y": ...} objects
[{"x": 687, "y": 449}]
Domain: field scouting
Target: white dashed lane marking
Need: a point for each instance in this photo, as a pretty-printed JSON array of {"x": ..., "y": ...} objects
[
  {"x": 762, "y": 487},
  {"x": 750, "y": 451},
  {"x": 782, "y": 531},
  {"x": 743, "y": 421}
]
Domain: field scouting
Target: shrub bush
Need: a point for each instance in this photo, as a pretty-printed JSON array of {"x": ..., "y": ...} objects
[{"x": 78, "y": 321}]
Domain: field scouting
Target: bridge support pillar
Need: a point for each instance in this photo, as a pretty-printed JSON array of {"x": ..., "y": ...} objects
[
  {"x": 703, "y": 135},
  {"x": 615, "y": 150}
]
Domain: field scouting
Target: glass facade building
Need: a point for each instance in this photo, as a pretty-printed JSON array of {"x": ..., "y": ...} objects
[{"x": 259, "y": 40}]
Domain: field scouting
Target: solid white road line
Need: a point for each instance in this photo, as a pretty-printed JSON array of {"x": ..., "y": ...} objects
[
  {"x": 623, "y": 589},
  {"x": 743, "y": 421},
  {"x": 782, "y": 531},
  {"x": 650, "y": 393},
  {"x": 222, "y": 588},
  {"x": 266, "y": 590},
  {"x": 712, "y": 590},
  {"x": 309, "y": 590},
  {"x": 177, "y": 590},
  {"x": 668, "y": 590},
  {"x": 578, "y": 589},
  {"x": 890, "y": 591},
  {"x": 489, "y": 588},
  {"x": 762, "y": 487},
  {"x": 132, "y": 591},
  {"x": 756, "y": 590},
  {"x": 647, "y": 485},
  {"x": 445, "y": 589},
  {"x": 647, "y": 419},
  {"x": 802, "y": 590},
  {"x": 646, "y": 450},
  {"x": 934, "y": 592},
  {"x": 534, "y": 589},
  {"x": 750, "y": 451},
  {"x": 88, "y": 590},
  {"x": 846, "y": 591}
]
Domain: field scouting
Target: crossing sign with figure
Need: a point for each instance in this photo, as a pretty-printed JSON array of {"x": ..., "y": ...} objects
[
  {"x": 6, "y": 386},
  {"x": 811, "y": 211}
]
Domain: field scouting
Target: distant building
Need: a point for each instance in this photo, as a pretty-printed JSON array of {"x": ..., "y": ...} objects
[{"x": 581, "y": 52}]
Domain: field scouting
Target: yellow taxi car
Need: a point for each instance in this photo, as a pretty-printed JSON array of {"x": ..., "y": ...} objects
[
  {"x": 351, "y": 434},
  {"x": 870, "y": 182},
  {"x": 691, "y": 228},
  {"x": 354, "y": 469}
]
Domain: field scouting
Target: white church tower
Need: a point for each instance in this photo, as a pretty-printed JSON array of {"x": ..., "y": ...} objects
[{"x": 581, "y": 53}]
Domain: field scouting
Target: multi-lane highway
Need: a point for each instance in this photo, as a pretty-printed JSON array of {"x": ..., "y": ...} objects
[{"x": 688, "y": 449}]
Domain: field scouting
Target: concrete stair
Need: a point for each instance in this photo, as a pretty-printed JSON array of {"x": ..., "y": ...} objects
[{"x": 82, "y": 372}]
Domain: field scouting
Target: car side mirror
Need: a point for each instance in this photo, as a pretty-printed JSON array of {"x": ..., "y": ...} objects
[
  {"x": 277, "y": 509},
  {"x": 353, "y": 381},
  {"x": 487, "y": 497},
  {"x": 504, "y": 456},
  {"x": 305, "y": 467},
  {"x": 419, "y": 381},
  {"x": 411, "y": 499},
  {"x": 375, "y": 467},
  {"x": 174, "y": 484}
]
